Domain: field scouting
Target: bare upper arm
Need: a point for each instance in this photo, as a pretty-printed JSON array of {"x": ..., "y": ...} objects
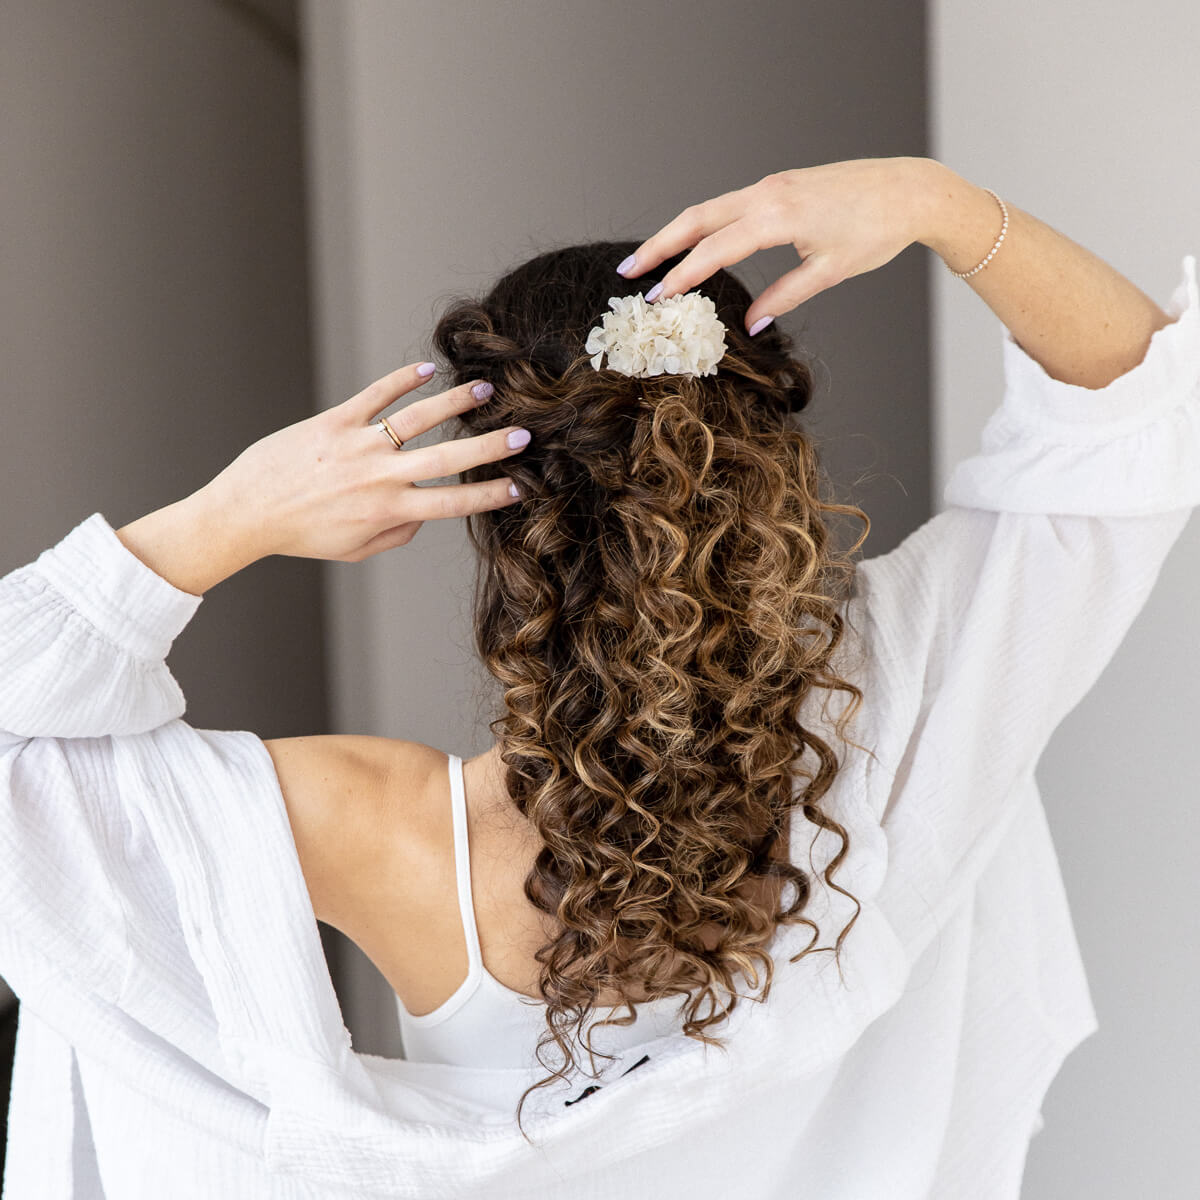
[{"x": 346, "y": 797}]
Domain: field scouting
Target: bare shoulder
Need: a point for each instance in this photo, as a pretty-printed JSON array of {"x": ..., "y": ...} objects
[{"x": 348, "y": 798}]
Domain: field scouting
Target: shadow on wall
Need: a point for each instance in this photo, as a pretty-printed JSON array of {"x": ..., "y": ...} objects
[{"x": 8, "y": 1042}]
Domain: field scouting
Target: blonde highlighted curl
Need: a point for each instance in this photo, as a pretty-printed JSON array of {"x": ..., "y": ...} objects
[{"x": 655, "y": 608}]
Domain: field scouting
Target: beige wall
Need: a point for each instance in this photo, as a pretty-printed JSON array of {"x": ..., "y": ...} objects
[
  {"x": 154, "y": 302},
  {"x": 451, "y": 139},
  {"x": 1086, "y": 115}
]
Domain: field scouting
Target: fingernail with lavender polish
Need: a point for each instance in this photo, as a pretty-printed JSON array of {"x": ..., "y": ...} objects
[
  {"x": 426, "y": 369},
  {"x": 654, "y": 293},
  {"x": 513, "y": 490},
  {"x": 760, "y": 325},
  {"x": 627, "y": 265}
]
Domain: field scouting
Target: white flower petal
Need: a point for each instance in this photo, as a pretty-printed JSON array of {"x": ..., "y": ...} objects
[{"x": 679, "y": 335}]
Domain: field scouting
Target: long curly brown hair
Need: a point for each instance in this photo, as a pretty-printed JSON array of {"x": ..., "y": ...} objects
[{"x": 655, "y": 607}]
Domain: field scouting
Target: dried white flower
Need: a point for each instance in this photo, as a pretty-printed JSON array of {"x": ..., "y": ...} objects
[{"x": 680, "y": 335}]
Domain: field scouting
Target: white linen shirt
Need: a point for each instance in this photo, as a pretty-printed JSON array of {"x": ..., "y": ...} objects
[{"x": 179, "y": 1033}]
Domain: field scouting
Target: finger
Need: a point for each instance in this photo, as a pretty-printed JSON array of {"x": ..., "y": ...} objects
[
  {"x": 427, "y": 412},
  {"x": 389, "y": 539},
  {"x": 435, "y": 501},
  {"x": 375, "y": 397},
  {"x": 815, "y": 274},
  {"x": 693, "y": 223},
  {"x": 458, "y": 454},
  {"x": 728, "y": 245}
]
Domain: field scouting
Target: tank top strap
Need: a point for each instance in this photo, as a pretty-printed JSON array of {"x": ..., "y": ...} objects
[{"x": 462, "y": 865}]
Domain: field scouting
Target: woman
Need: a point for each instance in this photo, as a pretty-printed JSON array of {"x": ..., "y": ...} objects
[{"x": 664, "y": 761}]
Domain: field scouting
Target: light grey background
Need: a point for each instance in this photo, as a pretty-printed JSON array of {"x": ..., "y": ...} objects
[
  {"x": 1086, "y": 116},
  {"x": 450, "y": 141}
]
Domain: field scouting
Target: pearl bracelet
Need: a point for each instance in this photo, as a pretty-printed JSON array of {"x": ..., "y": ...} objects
[{"x": 992, "y": 251}]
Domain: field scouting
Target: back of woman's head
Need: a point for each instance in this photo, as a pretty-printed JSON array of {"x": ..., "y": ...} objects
[{"x": 656, "y": 606}]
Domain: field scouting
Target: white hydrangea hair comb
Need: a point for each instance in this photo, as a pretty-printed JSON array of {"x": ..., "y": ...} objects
[{"x": 680, "y": 335}]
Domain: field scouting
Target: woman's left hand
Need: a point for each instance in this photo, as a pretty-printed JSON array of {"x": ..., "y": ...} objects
[{"x": 335, "y": 486}]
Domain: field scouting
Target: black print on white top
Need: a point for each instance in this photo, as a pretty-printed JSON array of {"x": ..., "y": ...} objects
[{"x": 595, "y": 1087}]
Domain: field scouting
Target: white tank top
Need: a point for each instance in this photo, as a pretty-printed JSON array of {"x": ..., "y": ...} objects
[{"x": 486, "y": 1024}]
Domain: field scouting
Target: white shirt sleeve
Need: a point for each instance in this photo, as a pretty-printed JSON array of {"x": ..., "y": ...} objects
[
  {"x": 991, "y": 621},
  {"x": 84, "y": 633}
]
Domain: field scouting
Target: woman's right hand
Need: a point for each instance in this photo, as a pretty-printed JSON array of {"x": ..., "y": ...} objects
[{"x": 843, "y": 218}]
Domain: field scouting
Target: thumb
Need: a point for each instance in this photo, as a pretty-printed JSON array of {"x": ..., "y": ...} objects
[{"x": 789, "y": 291}]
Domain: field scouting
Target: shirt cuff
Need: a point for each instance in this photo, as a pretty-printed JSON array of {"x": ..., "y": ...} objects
[
  {"x": 1131, "y": 448},
  {"x": 1067, "y": 412},
  {"x": 115, "y": 591}
]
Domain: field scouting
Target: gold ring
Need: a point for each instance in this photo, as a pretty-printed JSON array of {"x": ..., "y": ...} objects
[{"x": 386, "y": 427}]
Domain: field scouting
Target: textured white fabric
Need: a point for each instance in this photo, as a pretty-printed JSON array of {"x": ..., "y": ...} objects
[{"x": 179, "y": 1033}]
